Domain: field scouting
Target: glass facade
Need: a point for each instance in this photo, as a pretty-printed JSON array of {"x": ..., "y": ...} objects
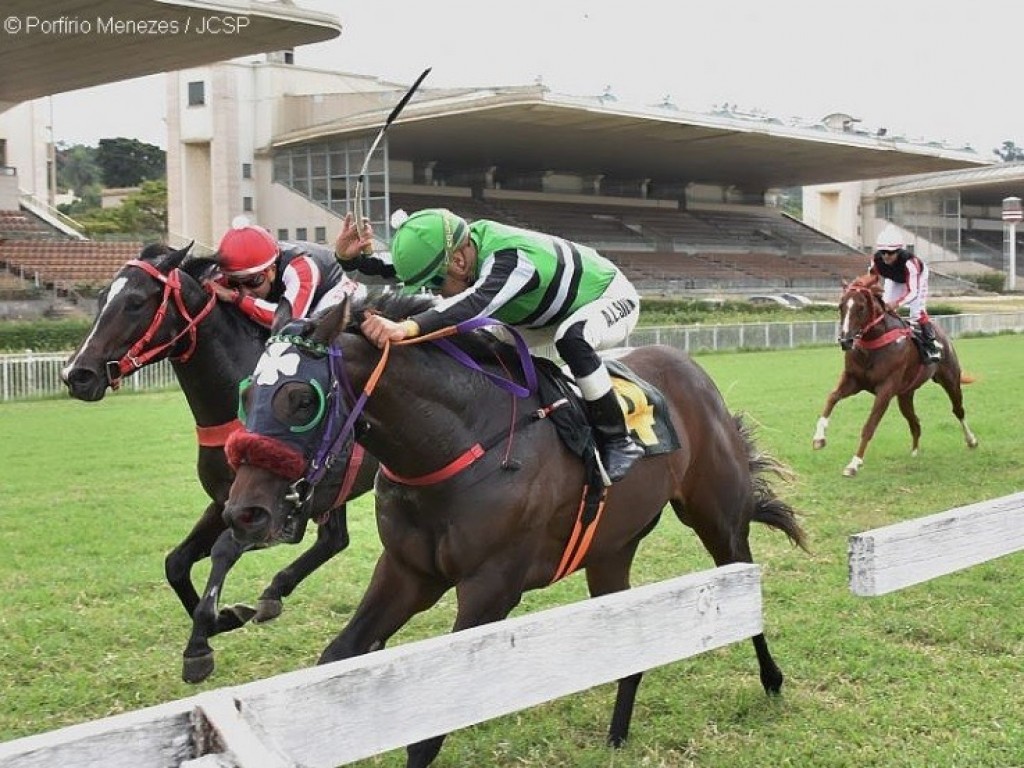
[{"x": 326, "y": 172}]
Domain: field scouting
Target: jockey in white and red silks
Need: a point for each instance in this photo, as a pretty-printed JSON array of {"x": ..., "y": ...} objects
[{"x": 905, "y": 284}]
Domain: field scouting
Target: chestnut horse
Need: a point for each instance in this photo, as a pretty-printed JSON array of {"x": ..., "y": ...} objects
[
  {"x": 155, "y": 308},
  {"x": 882, "y": 358},
  {"x": 476, "y": 490}
]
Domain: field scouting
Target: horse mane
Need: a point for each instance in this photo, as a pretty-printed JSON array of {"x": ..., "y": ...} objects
[{"x": 868, "y": 281}]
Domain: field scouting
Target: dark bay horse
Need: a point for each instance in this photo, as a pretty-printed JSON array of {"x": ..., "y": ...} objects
[
  {"x": 155, "y": 308},
  {"x": 882, "y": 358},
  {"x": 475, "y": 491}
]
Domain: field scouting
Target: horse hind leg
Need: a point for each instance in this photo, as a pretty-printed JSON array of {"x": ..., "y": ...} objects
[
  {"x": 906, "y": 405},
  {"x": 948, "y": 377},
  {"x": 604, "y": 578},
  {"x": 726, "y": 547}
]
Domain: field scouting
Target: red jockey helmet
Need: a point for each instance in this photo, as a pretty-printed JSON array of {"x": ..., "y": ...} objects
[{"x": 245, "y": 249}]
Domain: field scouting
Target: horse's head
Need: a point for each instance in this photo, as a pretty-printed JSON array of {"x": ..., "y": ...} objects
[
  {"x": 295, "y": 406},
  {"x": 143, "y": 316},
  {"x": 860, "y": 309}
]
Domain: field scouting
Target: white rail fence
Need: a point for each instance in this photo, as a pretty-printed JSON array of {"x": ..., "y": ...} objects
[
  {"x": 349, "y": 710},
  {"x": 28, "y": 374},
  {"x": 886, "y": 559}
]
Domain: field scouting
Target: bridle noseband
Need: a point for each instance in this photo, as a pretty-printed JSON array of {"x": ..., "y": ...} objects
[
  {"x": 138, "y": 355},
  {"x": 877, "y": 316}
]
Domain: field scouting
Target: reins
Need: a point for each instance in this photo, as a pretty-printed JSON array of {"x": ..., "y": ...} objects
[
  {"x": 138, "y": 355},
  {"x": 334, "y": 441},
  {"x": 877, "y": 316}
]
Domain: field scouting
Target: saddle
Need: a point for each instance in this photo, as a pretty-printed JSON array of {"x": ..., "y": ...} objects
[{"x": 643, "y": 407}]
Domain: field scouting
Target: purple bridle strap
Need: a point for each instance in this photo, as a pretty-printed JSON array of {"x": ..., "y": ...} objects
[
  {"x": 331, "y": 447},
  {"x": 529, "y": 372}
]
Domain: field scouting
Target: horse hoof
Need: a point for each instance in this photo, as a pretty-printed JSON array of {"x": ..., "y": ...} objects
[
  {"x": 973, "y": 443},
  {"x": 914, "y": 453},
  {"x": 195, "y": 669},
  {"x": 243, "y": 612},
  {"x": 267, "y": 610},
  {"x": 850, "y": 472},
  {"x": 819, "y": 444}
]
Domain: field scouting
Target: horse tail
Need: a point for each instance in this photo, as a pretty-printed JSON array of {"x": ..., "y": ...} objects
[{"x": 769, "y": 509}]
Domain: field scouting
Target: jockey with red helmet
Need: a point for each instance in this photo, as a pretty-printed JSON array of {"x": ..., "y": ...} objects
[
  {"x": 905, "y": 284},
  {"x": 257, "y": 271}
]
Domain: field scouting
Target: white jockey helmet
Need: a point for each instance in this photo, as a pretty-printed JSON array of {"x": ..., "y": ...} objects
[{"x": 889, "y": 239}]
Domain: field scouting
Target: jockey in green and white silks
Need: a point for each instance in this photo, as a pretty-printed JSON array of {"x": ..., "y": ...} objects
[{"x": 551, "y": 289}]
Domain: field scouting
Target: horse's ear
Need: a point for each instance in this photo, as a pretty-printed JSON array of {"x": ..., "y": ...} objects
[
  {"x": 173, "y": 259},
  {"x": 845, "y": 284},
  {"x": 332, "y": 323},
  {"x": 282, "y": 316}
]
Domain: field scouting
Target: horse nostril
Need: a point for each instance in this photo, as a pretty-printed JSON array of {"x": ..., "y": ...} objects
[{"x": 246, "y": 518}]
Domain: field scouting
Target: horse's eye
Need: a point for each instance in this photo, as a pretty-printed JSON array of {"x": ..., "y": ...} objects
[{"x": 299, "y": 405}]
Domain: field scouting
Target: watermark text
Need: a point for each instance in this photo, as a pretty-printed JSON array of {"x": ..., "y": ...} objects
[{"x": 112, "y": 26}]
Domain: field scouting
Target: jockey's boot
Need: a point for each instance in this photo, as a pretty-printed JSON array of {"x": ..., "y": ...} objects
[
  {"x": 932, "y": 347},
  {"x": 618, "y": 450}
]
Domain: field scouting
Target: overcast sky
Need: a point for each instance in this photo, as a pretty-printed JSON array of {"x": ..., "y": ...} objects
[{"x": 927, "y": 70}]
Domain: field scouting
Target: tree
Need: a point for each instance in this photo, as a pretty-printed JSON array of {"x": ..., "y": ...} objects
[
  {"x": 128, "y": 162},
  {"x": 142, "y": 214},
  {"x": 76, "y": 167},
  {"x": 1009, "y": 152}
]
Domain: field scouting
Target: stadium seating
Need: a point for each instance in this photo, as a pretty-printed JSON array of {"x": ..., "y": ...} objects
[{"x": 68, "y": 264}]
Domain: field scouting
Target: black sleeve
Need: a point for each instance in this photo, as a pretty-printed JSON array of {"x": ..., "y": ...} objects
[{"x": 369, "y": 265}]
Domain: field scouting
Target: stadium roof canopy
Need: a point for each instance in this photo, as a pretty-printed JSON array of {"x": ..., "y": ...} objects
[
  {"x": 528, "y": 127},
  {"x": 977, "y": 186},
  {"x": 52, "y": 51}
]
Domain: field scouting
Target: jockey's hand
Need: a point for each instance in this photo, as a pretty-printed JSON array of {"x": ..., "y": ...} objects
[
  {"x": 892, "y": 307},
  {"x": 380, "y": 330},
  {"x": 223, "y": 293},
  {"x": 349, "y": 244}
]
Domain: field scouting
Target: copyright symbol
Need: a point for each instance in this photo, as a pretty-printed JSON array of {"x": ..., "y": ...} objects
[{"x": 12, "y": 25}]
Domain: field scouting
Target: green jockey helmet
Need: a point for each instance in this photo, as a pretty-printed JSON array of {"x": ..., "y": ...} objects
[{"x": 422, "y": 245}]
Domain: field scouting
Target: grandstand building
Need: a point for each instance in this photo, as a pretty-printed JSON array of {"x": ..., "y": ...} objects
[
  {"x": 63, "y": 45},
  {"x": 681, "y": 200}
]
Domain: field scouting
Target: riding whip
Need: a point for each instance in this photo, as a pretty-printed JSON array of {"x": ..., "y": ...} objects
[{"x": 358, "y": 206}]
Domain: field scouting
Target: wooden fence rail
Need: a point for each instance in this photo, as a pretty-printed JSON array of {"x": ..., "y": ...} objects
[
  {"x": 897, "y": 556},
  {"x": 352, "y": 709}
]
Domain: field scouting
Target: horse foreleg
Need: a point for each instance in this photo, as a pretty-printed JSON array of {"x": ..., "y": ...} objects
[
  {"x": 906, "y": 404},
  {"x": 395, "y": 594},
  {"x": 878, "y": 409},
  {"x": 207, "y": 621},
  {"x": 844, "y": 389},
  {"x": 485, "y": 598},
  {"x": 193, "y": 548},
  {"x": 331, "y": 538}
]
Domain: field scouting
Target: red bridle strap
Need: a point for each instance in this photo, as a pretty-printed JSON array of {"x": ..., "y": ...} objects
[
  {"x": 451, "y": 469},
  {"x": 877, "y": 316},
  {"x": 139, "y": 355},
  {"x": 217, "y": 436},
  {"x": 884, "y": 340}
]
